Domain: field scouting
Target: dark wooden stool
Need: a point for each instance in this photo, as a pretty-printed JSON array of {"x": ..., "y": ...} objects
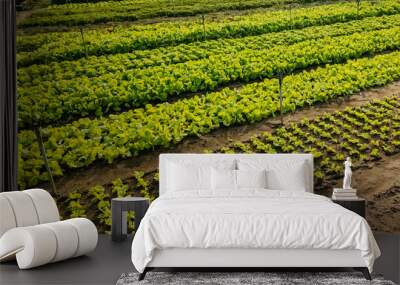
[{"x": 119, "y": 209}]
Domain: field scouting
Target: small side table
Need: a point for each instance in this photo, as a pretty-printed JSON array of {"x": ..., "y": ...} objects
[
  {"x": 119, "y": 209},
  {"x": 356, "y": 205}
]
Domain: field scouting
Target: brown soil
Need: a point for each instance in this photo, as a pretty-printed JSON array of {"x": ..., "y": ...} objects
[
  {"x": 383, "y": 211},
  {"x": 379, "y": 184},
  {"x": 103, "y": 173},
  {"x": 22, "y": 15}
]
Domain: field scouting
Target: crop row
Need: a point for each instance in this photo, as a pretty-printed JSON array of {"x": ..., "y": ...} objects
[
  {"x": 96, "y": 66},
  {"x": 69, "y": 45},
  {"x": 363, "y": 133},
  {"x": 128, "y": 5},
  {"x": 59, "y": 101},
  {"x": 115, "y": 11},
  {"x": 125, "y": 135}
]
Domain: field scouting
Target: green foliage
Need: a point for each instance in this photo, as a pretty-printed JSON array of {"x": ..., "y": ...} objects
[
  {"x": 143, "y": 185},
  {"x": 81, "y": 13},
  {"x": 74, "y": 206},
  {"x": 125, "y": 135},
  {"x": 33, "y": 4},
  {"x": 55, "y": 46},
  {"x": 119, "y": 189},
  {"x": 97, "y": 193},
  {"x": 95, "y": 66},
  {"x": 101, "y": 200},
  {"x": 156, "y": 176},
  {"x": 82, "y": 97}
]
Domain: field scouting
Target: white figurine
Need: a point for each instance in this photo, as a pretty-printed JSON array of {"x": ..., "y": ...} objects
[{"x": 347, "y": 174}]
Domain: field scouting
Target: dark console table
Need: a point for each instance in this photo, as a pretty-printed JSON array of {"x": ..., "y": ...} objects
[{"x": 119, "y": 209}]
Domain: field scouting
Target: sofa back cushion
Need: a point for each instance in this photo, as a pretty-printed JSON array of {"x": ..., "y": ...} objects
[{"x": 26, "y": 208}]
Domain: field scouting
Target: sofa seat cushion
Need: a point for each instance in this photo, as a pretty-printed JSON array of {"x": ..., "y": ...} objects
[{"x": 40, "y": 244}]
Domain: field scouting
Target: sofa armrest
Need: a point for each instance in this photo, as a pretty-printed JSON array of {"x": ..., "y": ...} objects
[{"x": 32, "y": 246}]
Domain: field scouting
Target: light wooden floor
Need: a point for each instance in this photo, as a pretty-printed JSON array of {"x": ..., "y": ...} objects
[{"x": 110, "y": 260}]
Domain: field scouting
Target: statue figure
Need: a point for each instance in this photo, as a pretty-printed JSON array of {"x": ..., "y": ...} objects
[{"x": 347, "y": 174}]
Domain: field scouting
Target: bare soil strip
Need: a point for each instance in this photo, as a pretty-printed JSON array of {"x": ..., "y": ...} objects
[{"x": 100, "y": 174}]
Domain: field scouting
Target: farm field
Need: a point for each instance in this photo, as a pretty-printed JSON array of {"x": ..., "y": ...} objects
[
  {"x": 106, "y": 84},
  {"x": 78, "y": 12}
]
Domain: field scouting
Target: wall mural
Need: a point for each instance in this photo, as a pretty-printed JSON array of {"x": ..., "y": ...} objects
[{"x": 106, "y": 86}]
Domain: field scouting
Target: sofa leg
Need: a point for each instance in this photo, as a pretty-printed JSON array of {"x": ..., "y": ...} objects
[
  {"x": 364, "y": 271},
  {"x": 143, "y": 274}
]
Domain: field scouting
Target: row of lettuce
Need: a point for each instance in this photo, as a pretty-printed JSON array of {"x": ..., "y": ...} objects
[
  {"x": 57, "y": 101},
  {"x": 87, "y": 141},
  {"x": 94, "y": 66},
  {"x": 128, "y": 10},
  {"x": 365, "y": 133},
  {"x": 56, "y": 46}
]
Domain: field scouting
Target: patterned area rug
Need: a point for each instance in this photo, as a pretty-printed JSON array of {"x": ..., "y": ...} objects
[{"x": 269, "y": 278}]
